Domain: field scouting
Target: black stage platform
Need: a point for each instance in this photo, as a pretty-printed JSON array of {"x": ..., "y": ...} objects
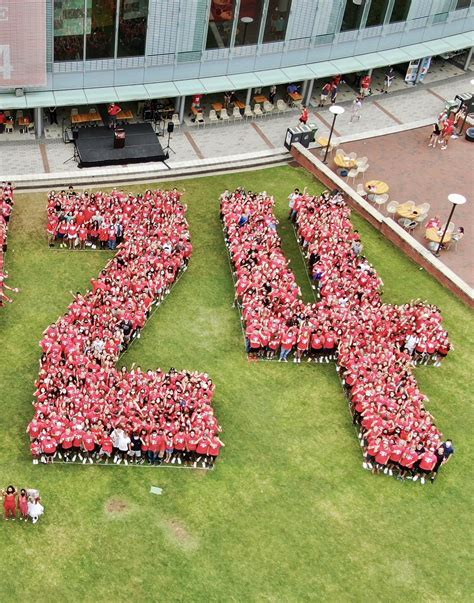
[{"x": 95, "y": 146}]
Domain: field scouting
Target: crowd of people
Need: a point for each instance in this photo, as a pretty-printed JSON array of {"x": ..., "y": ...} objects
[
  {"x": 24, "y": 503},
  {"x": 6, "y": 206},
  {"x": 375, "y": 344},
  {"x": 87, "y": 409}
]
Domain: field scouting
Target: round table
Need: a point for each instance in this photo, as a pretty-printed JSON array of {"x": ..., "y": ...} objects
[
  {"x": 345, "y": 162},
  {"x": 433, "y": 234},
  {"x": 408, "y": 211},
  {"x": 377, "y": 187}
]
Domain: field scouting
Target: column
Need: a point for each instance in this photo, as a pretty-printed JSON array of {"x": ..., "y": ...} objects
[
  {"x": 249, "y": 96},
  {"x": 177, "y": 101},
  {"x": 304, "y": 88},
  {"x": 309, "y": 92},
  {"x": 468, "y": 59},
  {"x": 39, "y": 123},
  {"x": 181, "y": 109}
]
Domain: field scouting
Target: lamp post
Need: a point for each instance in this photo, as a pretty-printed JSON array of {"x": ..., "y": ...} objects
[
  {"x": 246, "y": 21},
  {"x": 454, "y": 199},
  {"x": 335, "y": 110}
]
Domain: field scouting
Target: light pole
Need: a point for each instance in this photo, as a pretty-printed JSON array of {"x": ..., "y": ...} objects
[
  {"x": 246, "y": 21},
  {"x": 335, "y": 110},
  {"x": 454, "y": 199}
]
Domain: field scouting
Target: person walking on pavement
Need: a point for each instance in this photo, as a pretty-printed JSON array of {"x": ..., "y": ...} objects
[{"x": 355, "y": 110}]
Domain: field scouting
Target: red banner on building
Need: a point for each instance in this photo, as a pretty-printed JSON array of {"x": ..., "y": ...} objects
[{"x": 22, "y": 43}]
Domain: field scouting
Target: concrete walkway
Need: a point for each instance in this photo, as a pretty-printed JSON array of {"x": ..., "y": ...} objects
[{"x": 406, "y": 107}]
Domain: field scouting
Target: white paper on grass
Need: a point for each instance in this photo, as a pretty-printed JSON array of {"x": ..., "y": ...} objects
[{"x": 156, "y": 490}]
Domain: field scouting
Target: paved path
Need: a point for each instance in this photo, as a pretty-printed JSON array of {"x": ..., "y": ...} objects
[{"x": 379, "y": 112}]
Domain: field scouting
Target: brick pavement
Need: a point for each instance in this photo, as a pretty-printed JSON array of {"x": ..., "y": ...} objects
[{"x": 422, "y": 174}]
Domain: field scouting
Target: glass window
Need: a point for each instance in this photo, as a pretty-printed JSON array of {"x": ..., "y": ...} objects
[
  {"x": 69, "y": 30},
  {"x": 277, "y": 20},
  {"x": 376, "y": 14},
  {"x": 248, "y": 24},
  {"x": 463, "y": 4},
  {"x": 132, "y": 28},
  {"x": 400, "y": 11},
  {"x": 352, "y": 15},
  {"x": 221, "y": 21},
  {"x": 100, "y": 41}
]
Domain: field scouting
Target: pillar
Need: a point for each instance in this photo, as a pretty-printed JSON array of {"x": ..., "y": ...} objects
[
  {"x": 304, "y": 88},
  {"x": 39, "y": 122},
  {"x": 177, "y": 101},
  {"x": 468, "y": 59},
  {"x": 369, "y": 72},
  {"x": 181, "y": 109},
  {"x": 249, "y": 96},
  {"x": 309, "y": 92}
]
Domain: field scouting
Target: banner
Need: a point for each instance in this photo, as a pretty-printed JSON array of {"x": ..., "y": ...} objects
[{"x": 22, "y": 43}]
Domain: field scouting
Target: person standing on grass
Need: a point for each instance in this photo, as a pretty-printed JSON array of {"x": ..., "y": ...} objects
[
  {"x": 23, "y": 505},
  {"x": 356, "y": 107},
  {"x": 9, "y": 503}
]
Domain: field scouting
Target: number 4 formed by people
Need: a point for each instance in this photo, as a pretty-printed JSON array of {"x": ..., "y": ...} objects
[{"x": 374, "y": 344}]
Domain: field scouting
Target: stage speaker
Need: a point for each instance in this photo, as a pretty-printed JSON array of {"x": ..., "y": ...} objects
[
  {"x": 170, "y": 127},
  {"x": 75, "y": 133}
]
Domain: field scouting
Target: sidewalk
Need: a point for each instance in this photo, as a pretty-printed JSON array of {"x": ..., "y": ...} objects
[{"x": 403, "y": 107}]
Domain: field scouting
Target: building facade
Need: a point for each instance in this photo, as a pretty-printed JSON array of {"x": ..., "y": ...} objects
[{"x": 160, "y": 48}]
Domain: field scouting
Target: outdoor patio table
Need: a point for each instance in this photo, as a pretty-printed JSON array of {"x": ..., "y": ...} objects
[
  {"x": 434, "y": 235},
  {"x": 377, "y": 187}
]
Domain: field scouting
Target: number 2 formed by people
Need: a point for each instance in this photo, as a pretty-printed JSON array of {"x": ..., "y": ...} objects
[
  {"x": 374, "y": 343},
  {"x": 81, "y": 397}
]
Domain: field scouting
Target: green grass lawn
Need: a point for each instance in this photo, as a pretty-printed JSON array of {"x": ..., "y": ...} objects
[{"x": 288, "y": 514}]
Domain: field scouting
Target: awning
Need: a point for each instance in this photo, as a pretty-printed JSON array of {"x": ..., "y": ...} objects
[
  {"x": 298, "y": 73},
  {"x": 40, "y": 99},
  {"x": 11, "y": 101},
  {"x": 162, "y": 90},
  {"x": 271, "y": 76},
  {"x": 349, "y": 65},
  {"x": 100, "y": 95},
  {"x": 216, "y": 84},
  {"x": 68, "y": 98},
  {"x": 186, "y": 87},
  {"x": 131, "y": 93},
  {"x": 323, "y": 69},
  {"x": 244, "y": 80},
  {"x": 395, "y": 56}
]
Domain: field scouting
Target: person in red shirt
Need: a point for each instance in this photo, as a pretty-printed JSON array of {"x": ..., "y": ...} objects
[
  {"x": 191, "y": 442},
  {"x": 304, "y": 116},
  {"x": 113, "y": 110},
  {"x": 88, "y": 446},
  {"x": 214, "y": 448},
  {"x": 48, "y": 450},
  {"x": 202, "y": 448},
  {"x": 106, "y": 447},
  {"x": 152, "y": 443},
  {"x": 427, "y": 465}
]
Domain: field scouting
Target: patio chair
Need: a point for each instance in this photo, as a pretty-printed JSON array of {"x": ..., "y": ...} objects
[
  {"x": 352, "y": 174},
  {"x": 258, "y": 110},
  {"x": 392, "y": 208},
  {"x": 281, "y": 106},
  {"x": 267, "y": 108},
  {"x": 361, "y": 161},
  {"x": 248, "y": 113},
  {"x": 213, "y": 119},
  {"x": 236, "y": 114},
  {"x": 224, "y": 115},
  {"x": 361, "y": 190},
  {"x": 175, "y": 120}
]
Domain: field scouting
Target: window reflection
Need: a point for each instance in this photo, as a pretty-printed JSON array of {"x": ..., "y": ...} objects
[
  {"x": 221, "y": 20},
  {"x": 376, "y": 14},
  {"x": 100, "y": 38},
  {"x": 132, "y": 28},
  {"x": 463, "y": 4},
  {"x": 277, "y": 20},
  {"x": 352, "y": 16},
  {"x": 69, "y": 30},
  {"x": 248, "y": 24},
  {"x": 400, "y": 11}
]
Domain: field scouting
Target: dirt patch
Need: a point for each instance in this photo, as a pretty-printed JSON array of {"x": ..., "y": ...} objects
[
  {"x": 116, "y": 506},
  {"x": 179, "y": 534}
]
